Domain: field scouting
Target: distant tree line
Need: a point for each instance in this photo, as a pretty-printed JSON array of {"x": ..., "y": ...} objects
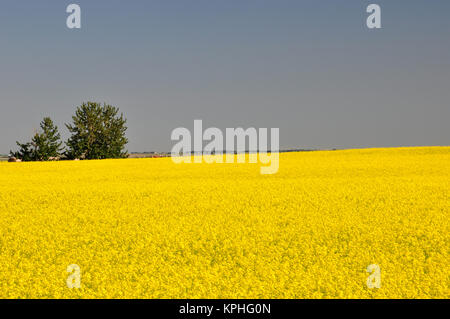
[{"x": 97, "y": 132}]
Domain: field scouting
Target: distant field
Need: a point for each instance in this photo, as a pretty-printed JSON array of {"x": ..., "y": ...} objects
[{"x": 146, "y": 228}]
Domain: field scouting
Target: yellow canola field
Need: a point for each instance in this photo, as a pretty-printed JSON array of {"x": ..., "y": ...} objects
[{"x": 149, "y": 228}]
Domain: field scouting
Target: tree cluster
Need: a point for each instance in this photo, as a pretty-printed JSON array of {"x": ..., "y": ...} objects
[{"x": 97, "y": 132}]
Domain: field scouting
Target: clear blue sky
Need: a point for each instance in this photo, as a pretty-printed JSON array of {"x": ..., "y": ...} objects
[{"x": 311, "y": 68}]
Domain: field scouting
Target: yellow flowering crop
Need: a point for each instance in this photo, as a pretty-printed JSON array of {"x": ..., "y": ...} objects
[{"x": 149, "y": 228}]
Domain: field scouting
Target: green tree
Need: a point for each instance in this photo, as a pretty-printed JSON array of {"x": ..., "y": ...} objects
[
  {"x": 98, "y": 132},
  {"x": 43, "y": 145},
  {"x": 48, "y": 143},
  {"x": 25, "y": 152}
]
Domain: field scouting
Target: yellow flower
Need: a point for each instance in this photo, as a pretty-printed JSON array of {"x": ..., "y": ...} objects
[{"x": 149, "y": 228}]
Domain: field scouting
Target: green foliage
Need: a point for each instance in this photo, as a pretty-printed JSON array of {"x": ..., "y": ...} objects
[
  {"x": 98, "y": 132},
  {"x": 43, "y": 145},
  {"x": 25, "y": 153},
  {"x": 48, "y": 143}
]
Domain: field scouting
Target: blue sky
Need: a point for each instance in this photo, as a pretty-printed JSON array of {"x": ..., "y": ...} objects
[{"x": 311, "y": 68}]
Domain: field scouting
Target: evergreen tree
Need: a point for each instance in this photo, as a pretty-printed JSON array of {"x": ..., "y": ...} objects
[
  {"x": 98, "y": 132},
  {"x": 48, "y": 143},
  {"x": 43, "y": 145},
  {"x": 25, "y": 153}
]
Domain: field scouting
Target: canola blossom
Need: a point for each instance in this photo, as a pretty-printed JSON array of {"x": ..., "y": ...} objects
[{"x": 150, "y": 228}]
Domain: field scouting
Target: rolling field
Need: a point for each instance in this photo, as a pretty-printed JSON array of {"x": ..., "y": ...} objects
[{"x": 149, "y": 228}]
